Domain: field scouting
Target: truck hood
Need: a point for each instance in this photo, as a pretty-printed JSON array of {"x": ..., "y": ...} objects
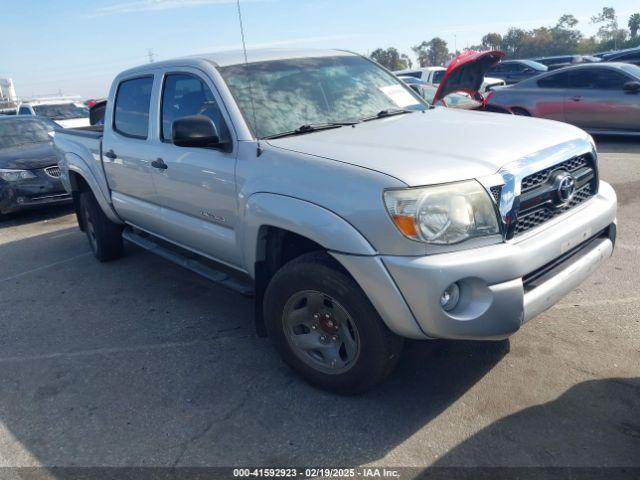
[
  {"x": 437, "y": 146},
  {"x": 466, "y": 73},
  {"x": 28, "y": 157}
]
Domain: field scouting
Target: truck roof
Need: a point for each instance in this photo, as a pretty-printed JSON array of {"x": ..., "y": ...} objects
[{"x": 236, "y": 57}]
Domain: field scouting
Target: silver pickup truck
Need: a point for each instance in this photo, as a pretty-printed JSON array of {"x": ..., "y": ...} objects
[{"x": 356, "y": 214}]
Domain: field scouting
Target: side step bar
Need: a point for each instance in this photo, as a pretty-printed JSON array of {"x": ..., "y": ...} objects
[{"x": 194, "y": 264}]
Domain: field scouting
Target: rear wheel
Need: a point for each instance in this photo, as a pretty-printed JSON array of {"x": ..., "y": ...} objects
[
  {"x": 105, "y": 237},
  {"x": 325, "y": 328}
]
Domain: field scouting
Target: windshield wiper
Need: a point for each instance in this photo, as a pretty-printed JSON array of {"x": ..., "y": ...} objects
[
  {"x": 387, "y": 113},
  {"x": 308, "y": 128}
]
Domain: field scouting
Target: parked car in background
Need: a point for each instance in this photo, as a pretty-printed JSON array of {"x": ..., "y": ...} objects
[
  {"x": 631, "y": 55},
  {"x": 461, "y": 84},
  {"x": 357, "y": 214},
  {"x": 8, "y": 111},
  {"x": 599, "y": 97},
  {"x": 428, "y": 92},
  {"x": 514, "y": 71},
  {"x": 560, "y": 61},
  {"x": 67, "y": 114},
  {"x": 434, "y": 75},
  {"x": 29, "y": 174}
]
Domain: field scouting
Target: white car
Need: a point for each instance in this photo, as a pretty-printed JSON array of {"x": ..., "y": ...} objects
[
  {"x": 434, "y": 76},
  {"x": 66, "y": 113}
]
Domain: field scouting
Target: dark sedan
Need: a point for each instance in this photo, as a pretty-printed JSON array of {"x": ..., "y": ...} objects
[
  {"x": 29, "y": 174},
  {"x": 514, "y": 71},
  {"x": 561, "y": 61},
  {"x": 599, "y": 97},
  {"x": 631, "y": 55}
]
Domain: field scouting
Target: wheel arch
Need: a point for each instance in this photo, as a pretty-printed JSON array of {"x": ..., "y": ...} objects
[
  {"x": 81, "y": 179},
  {"x": 279, "y": 228}
]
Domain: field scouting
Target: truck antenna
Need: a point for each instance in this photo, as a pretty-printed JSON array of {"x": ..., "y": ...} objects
[{"x": 246, "y": 64}]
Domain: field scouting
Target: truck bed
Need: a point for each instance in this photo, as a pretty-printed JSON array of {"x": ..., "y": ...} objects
[{"x": 92, "y": 131}]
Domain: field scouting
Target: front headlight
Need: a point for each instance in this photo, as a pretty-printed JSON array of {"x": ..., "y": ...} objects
[
  {"x": 443, "y": 214},
  {"x": 10, "y": 175}
]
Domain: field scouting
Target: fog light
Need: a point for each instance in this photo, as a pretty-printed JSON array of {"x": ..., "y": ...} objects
[{"x": 449, "y": 298}]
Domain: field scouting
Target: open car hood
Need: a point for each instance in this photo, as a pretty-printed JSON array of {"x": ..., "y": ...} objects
[{"x": 466, "y": 73}]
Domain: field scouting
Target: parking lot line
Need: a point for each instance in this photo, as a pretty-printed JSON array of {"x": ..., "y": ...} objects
[
  {"x": 598, "y": 303},
  {"x": 106, "y": 351},
  {"x": 44, "y": 267}
]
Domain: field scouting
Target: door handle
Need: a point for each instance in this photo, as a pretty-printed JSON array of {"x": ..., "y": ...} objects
[
  {"x": 577, "y": 98},
  {"x": 159, "y": 164},
  {"x": 111, "y": 155}
]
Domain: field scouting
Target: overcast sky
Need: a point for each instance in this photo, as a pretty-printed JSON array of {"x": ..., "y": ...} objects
[{"x": 77, "y": 46}]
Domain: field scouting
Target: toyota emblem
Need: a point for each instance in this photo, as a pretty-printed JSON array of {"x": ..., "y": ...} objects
[{"x": 566, "y": 187}]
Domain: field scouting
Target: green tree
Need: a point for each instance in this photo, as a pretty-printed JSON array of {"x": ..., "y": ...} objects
[
  {"x": 514, "y": 42},
  {"x": 390, "y": 58},
  {"x": 404, "y": 58},
  {"x": 432, "y": 53},
  {"x": 492, "y": 41},
  {"x": 634, "y": 24},
  {"x": 608, "y": 21},
  {"x": 564, "y": 36}
]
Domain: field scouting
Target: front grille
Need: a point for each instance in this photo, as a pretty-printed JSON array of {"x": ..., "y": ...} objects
[
  {"x": 53, "y": 171},
  {"x": 539, "y": 197},
  {"x": 532, "y": 181},
  {"x": 541, "y": 215}
]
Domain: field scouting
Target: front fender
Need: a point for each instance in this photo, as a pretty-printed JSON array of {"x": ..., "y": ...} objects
[{"x": 303, "y": 218}]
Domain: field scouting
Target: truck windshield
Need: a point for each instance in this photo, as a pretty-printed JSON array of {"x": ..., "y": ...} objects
[
  {"x": 62, "y": 111},
  {"x": 16, "y": 131},
  {"x": 287, "y": 94}
]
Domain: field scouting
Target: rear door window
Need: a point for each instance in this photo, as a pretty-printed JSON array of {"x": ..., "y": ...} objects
[
  {"x": 131, "y": 117},
  {"x": 597, "y": 79},
  {"x": 558, "y": 80}
]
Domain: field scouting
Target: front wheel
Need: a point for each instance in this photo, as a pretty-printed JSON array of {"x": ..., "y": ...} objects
[{"x": 325, "y": 328}]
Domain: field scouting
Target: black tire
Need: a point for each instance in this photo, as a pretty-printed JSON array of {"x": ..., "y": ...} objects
[
  {"x": 520, "y": 112},
  {"x": 378, "y": 348},
  {"x": 105, "y": 237}
]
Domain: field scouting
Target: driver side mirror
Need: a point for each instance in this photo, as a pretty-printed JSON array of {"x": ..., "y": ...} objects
[
  {"x": 631, "y": 87},
  {"x": 196, "y": 131}
]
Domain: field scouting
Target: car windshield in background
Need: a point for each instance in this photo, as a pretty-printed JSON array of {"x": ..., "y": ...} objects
[
  {"x": 63, "y": 111},
  {"x": 288, "y": 94},
  {"x": 15, "y": 132},
  {"x": 438, "y": 75},
  {"x": 631, "y": 69}
]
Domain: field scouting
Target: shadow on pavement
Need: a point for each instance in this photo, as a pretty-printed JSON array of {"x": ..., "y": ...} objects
[
  {"x": 617, "y": 143},
  {"x": 138, "y": 362},
  {"x": 572, "y": 430},
  {"x": 17, "y": 219}
]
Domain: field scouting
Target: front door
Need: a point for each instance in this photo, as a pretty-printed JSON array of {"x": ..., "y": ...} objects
[
  {"x": 596, "y": 100},
  {"x": 196, "y": 186}
]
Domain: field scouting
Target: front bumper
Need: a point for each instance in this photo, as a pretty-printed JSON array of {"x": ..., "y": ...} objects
[
  {"x": 502, "y": 286},
  {"x": 33, "y": 192}
]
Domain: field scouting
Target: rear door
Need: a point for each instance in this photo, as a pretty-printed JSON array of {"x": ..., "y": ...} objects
[
  {"x": 196, "y": 186},
  {"x": 548, "y": 98},
  {"x": 596, "y": 100},
  {"x": 126, "y": 154}
]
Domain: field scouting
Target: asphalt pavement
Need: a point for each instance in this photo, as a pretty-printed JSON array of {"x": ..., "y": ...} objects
[{"x": 138, "y": 362}]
